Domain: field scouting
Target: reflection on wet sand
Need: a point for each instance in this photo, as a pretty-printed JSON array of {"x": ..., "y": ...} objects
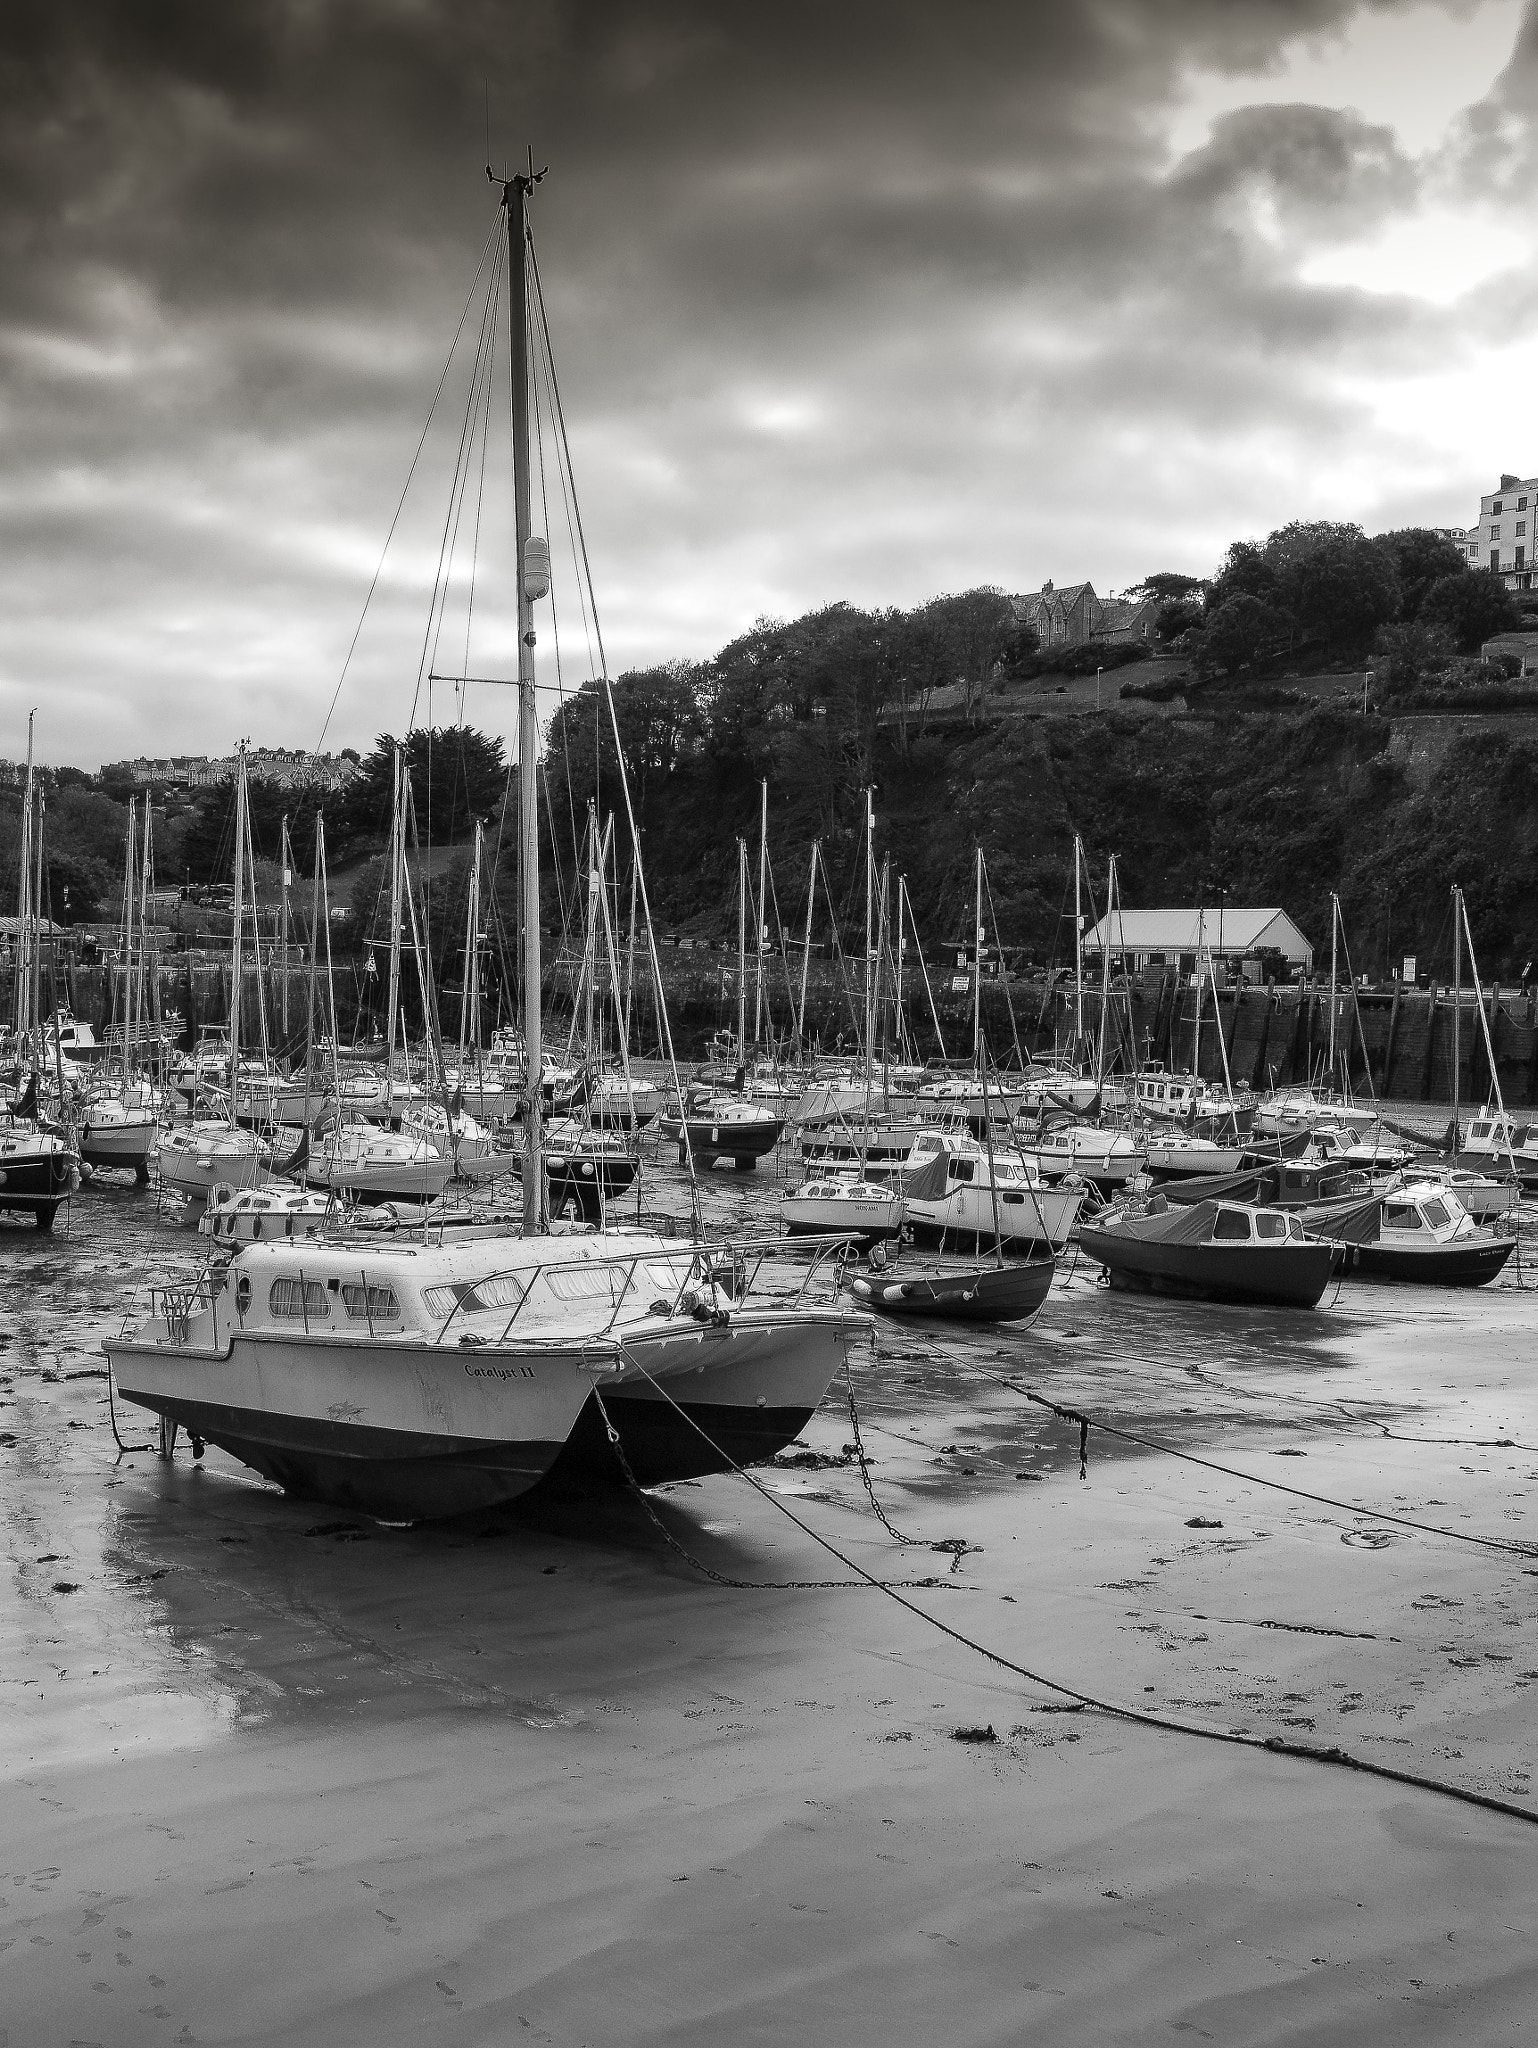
[{"x": 276, "y": 1772}]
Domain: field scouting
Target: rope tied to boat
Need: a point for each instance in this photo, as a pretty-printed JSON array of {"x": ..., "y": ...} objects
[{"x": 1168, "y": 1724}]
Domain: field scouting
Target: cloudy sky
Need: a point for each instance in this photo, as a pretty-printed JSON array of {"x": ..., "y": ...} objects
[{"x": 862, "y": 301}]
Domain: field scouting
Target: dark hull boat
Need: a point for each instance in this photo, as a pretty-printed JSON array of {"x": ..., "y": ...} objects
[
  {"x": 977, "y": 1294},
  {"x": 38, "y": 1171},
  {"x": 1421, "y": 1234},
  {"x": 1467, "y": 1262},
  {"x": 1212, "y": 1251}
]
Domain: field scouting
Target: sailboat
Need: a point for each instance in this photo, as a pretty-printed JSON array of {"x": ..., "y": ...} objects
[
  {"x": 424, "y": 1380},
  {"x": 208, "y": 1152},
  {"x": 39, "y": 1166},
  {"x": 119, "y": 1110},
  {"x": 870, "y": 1209}
]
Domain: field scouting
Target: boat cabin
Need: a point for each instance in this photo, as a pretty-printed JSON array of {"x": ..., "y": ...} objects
[{"x": 1235, "y": 1225}]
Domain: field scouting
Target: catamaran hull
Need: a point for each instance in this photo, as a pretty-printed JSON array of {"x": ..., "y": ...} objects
[
  {"x": 735, "y": 1394},
  {"x": 405, "y": 1432}
]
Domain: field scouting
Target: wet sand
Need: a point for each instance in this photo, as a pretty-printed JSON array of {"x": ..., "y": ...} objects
[{"x": 269, "y": 1773}]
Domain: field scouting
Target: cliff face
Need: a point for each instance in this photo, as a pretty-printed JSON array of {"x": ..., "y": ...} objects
[{"x": 1249, "y": 806}]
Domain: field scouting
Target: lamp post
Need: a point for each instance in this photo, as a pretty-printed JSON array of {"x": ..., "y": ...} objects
[{"x": 1097, "y": 689}]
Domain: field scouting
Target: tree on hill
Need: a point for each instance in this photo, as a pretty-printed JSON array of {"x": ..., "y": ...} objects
[
  {"x": 1169, "y": 586},
  {"x": 1473, "y": 605},
  {"x": 1337, "y": 585},
  {"x": 458, "y": 774},
  {"x": 1243, "y": 631},
  {"x": 1420, "y": 557}
]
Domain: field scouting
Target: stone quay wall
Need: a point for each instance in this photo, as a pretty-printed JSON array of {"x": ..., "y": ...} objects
[{"x": 1272, "y": 1036}]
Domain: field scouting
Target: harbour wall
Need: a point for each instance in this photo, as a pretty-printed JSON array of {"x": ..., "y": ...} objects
[{"x": 1272, "y": 1036}]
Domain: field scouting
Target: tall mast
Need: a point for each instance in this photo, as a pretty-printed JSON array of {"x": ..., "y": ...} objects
[
  {"x": 590, "y": 949},
  {"x": 129, "y": 908},
  {"x": 397, "y": 862},
  {"x": 24, "y": 933},
  {"x": 742, "y": 952},
  {"x": 1458, "y": 915},
  {"x": 977, "y": 960},
  {"x": 237, "y": 950},
  {"x": 1196, "y": 1035},
  {"x": 470, "y": 1002},
  {"x": 1105, "y": 976},
  {"x": 1078, "y": 949},
  {"x": 145, "y": 864},
  {"x": 533, "y": 580},
  {"x": 903, "y": 1035},
  {"x": 806, "y": 951},
  {"x": 285, "y": 861},
  {"x": 870, "y": 891},
  {"x": 763, "y": 903},
  {"x": 1334, "y": 936}
]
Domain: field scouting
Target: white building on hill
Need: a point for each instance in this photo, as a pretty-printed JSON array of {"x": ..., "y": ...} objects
[
  {"x": 1252, "y": 942},
  {"x": 1502, "y": 538}
]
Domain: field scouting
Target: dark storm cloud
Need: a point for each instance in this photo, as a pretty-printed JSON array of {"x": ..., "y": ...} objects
[{"x": 857, "y": 300}]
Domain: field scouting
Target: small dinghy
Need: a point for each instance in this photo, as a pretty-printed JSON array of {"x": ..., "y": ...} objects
[{"x": 974, "y": 1294}]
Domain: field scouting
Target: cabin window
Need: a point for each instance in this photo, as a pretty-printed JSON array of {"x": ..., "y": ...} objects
[
  {"x": 1270, "y": 1226},
  {"x": 1480, "y": 1131},
  {"x": 296, "y": 1298},
  {"x": 441, "y": 1301},
  {"x": 583, "y": 1283},
  {"x": 1401, "y": 1216},
  {"x": 1436, "y": 1214},
  {"x": 961, "y": 1169},
  {"x": 1295, "y": 1231},
  {"x": 369, "y": 1304},
  {"x": 500, "y": 1290},
  {"x": 1230, "y": 1227}
]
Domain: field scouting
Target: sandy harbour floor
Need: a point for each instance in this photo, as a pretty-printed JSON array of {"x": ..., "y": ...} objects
[{"x": 268, "y": 1774}]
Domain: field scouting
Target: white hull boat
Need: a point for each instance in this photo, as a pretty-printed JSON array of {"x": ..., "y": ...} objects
[
  {"x": 863, "y": 1209},
  {"x": 193, "y": 1159},
  {"x": 373, "y": 1165},
  {"x": 425, "y": 1382}
]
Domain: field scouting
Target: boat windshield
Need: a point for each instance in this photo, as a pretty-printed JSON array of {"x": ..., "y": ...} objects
[
  {"x": 1436, "y": 1215},
  {"x": 1270, "y": 1226},
  {"x": 1231, "y": 1226},
  {"x": 1402, "y": 1216}
]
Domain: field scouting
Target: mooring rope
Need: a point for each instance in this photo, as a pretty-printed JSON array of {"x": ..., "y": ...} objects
[
  {"x": 1307, "y": 1752},
  {"x": 1132, "y": 1436}
]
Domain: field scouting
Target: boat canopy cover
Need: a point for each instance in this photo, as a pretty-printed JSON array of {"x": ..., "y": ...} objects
[
  {"x": 1357, "y": 1225},
  {"x": 1256, "y": 1185},
  {"x": 1187, "y": 1224},
  {"x": 928, "y": 1184}
]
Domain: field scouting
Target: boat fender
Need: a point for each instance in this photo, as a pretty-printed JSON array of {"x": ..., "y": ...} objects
[{"x": 2, "y": 1180}]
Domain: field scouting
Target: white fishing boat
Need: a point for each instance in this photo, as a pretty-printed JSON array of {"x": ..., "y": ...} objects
[
  {"x": 1109, "y": 1158},
  {"x": 955, "y": 1192},
  {"x": 1489, "y": 1196},
  {"x": 865, "y": 1209},
  {"x": 413, "y": 1380},
  {"x": 247, "y": 1216},
  {"x": 369, "y": 1164},
  {"x": 1368, "y": 1146},
  {"x": 114, "y": 1132},
  {"x": 475, "y": 1153},
  {"x": 1496, "y": 1136},
  {"x": 192, "y": 1159},
  {"x": 1176, "y": 1155}
]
